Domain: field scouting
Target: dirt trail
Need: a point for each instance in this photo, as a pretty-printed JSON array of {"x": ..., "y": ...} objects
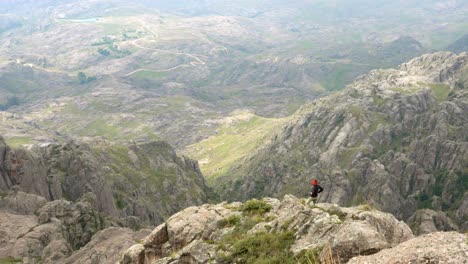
[{"x": 197, "y": 61}]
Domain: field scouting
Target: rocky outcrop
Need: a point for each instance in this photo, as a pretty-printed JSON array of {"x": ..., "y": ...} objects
[
  {"x": 140, "y": 184},
  {"x": 107, "y": 246},
  {"x": 33, "y": 230},
  {"x": 36, "y": 231},
  {"x": 449, "y": 247},
  {"x": 428, "y": 221},
  {"x": 394, "y": 138},
  {"x": 212, "y": 233}
]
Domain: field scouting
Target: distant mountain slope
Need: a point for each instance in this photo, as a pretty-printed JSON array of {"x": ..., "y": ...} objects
[
  {"x": 460, "y": 45},
  {"x": 148, "y": 181},
  {"x": 393, "y": 138}
]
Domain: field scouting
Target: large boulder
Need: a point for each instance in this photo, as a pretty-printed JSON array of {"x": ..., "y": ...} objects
[
  {"x": 439, "y": 247},
  {"x": 106, "y": 246},
  {"x": 427, "y": 221},
  {"x": 19, "y": 202}
]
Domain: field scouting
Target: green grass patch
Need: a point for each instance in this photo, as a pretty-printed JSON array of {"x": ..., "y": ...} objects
[
  {"x": 338, "y": 77},
  {"x": 149, "y": 75},
  {"x": 311, "y": 256},
  {"x": 10, "y": 260},
  {"x": 234, "y": 141},
  {"x": 335, "y": 211},
  {"x": 263, "y": 248},
  {"x": 440, "y": 91},
  {"x": 254, "y": 206},
  {"x": 379, "y": 101},
  {"x": 100, "y": 128},
  {"x": 406, "y": 90},
  {"x": 16, "y": 142},
  {"x": 229, "y": 221}
]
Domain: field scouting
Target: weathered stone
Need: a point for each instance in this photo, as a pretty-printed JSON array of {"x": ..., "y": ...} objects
[
  {"x": 440, "y": 247},
  {"x": 134, "y": 255},
  {"x": 19, "y": 202},
  {"x": 428, "y": 221},
  {"x": 107, "y": 246}
]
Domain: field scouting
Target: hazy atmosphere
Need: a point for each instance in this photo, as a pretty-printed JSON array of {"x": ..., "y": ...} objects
[{"x": 115, "y": 115}]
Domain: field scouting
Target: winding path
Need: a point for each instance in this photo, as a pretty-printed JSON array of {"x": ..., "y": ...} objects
[{"x": 197, "y": 61}]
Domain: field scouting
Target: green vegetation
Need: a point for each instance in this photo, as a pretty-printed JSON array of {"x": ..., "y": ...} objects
[
  {"x": 263, "y": 248},
  {"x": 230, "y": 221},
  {"x": 440, "y": 91},
  {"x": 425, "y": 201},
  {"x": 366, "y": 207},
  {"x": 341, "y": 74},
  {"x": 100, "y": 127},
  {"x": 234, "y": 141},
  {"x": 406, "y": 90},
  {"x": 103, "y": 52},
  {"x": 310, "y": 256},
  {"x": 11, "y": 101},
  {"x": 10, "y": 260},
  {"x": 379, "y": 101},
  {"x": 83, "y": 79},
  {"x": 335, "y": 211},
  {"x": 254, "y": 206},
  {"x": 104, "y": 41},
  {"x": 16, "y": 142}
]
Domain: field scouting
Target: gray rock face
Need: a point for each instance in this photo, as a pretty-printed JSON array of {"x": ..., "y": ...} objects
[
  {"x": 51, "y": 232},
  {"x": 394, "y": 138},
  {"x": 80, "y": 221},
  {"x": 440, "y": 247},
  {"x": 142, "y": 184},
  {"x": 18, "y": 202},
  {"x": 428, "y": 221},
  {"x": 106, "y": 246},
  {"x": 195, "y": 234}
]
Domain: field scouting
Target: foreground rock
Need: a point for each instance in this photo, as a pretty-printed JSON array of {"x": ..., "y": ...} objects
[
  {"x": 450, "y": 247},
  {"x": 107, "y": 246},
  {"x": 35, "y": 231},
  {"x": 223, "y": 232}
]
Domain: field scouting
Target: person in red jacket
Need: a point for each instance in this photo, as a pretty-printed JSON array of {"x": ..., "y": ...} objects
[{"x": 316, "y": 189}]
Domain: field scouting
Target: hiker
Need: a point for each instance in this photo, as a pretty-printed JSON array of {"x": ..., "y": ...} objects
[{"x": 316, "y": 189}]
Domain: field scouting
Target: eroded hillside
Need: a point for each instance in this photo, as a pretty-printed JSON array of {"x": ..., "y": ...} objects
[{"x": 395, "y": 138}]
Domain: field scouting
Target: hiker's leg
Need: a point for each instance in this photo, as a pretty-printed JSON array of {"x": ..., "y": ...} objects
[{"x": 314, "y": 200}]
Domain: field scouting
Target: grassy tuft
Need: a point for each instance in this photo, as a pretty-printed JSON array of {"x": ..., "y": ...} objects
[
  {"x": 255, "y": 206},
  {"x": 440, "y": 91},
  {"x": 233, "y": 220},
  {"x": 263, "y": 248},
  {"x": 10, "y": 260}
]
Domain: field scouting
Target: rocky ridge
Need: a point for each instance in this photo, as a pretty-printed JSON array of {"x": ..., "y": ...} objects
[
  {"x": 138, "y": 184},
  {"x": 226, "y": 233},
  {"x": 394, "y": 138}
]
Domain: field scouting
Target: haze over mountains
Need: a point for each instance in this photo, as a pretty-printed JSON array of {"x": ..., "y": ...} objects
[
  {"x": 192, "y": 63},
  {"x": 100, "y": 100}
]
